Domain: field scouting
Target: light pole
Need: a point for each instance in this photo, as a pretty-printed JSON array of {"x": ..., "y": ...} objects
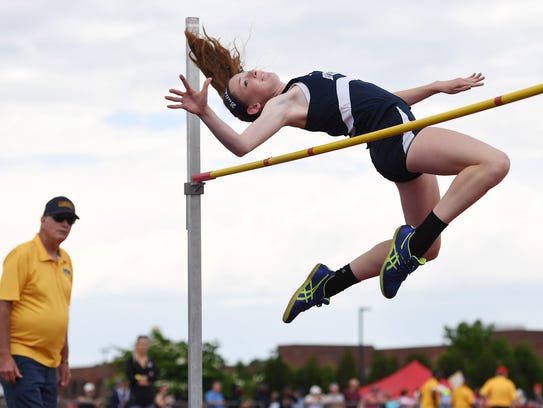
[{"x": 361, "y": 311}]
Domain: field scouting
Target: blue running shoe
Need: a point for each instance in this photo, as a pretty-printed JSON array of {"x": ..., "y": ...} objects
[
  {"x": 310, "y": 294},
  {"x": 399, "y": 262}
]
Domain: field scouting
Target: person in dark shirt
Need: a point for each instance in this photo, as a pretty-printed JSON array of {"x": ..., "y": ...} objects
[{"x": 141, "y": 373}]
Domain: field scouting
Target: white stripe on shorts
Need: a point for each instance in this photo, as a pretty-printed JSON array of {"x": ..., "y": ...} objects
[
  {"x": 344, "y": 100},
  {"x": 407, "y": 136}
]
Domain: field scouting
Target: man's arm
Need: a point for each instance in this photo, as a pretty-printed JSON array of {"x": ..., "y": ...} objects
[
  {"x": 64, "y": 353},
  {"x": 452, "y": 86},
  {"x": 8, "y": 368},
  {"x": 5, "y": 323},
  {"x": 64, "y": 368}
]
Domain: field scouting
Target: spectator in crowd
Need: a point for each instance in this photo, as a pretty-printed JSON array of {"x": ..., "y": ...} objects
[
  {"x": 334, "y": 398},
  {"x": 375, "y": 399},
  {"x": 261, "y": 395},
  {"x": 237, "y": 396},
  {"x": 463, "y": 396},
  {"x": 537, "y": 396},
  {"x": 445, "y": 396},
  {"x": 214, "y": 398},
  {"x": 88, "y": 399},
  {"x": 275, "y": 400},
  {"x": 445, "y": 400},
  {"x": 119, "y": 396},
  {"x": 430, "y": 391},
  {"x": 315, "y": 398},
  {"x": 352, "y": 393},
  {"x": 499, "y": 391},
  {"x": 479, "y": 399},
  {"x": 163, "y": 398},
  {"x": 389, "y": 401},
  {"x": 406, "y": 401},
  {"x": 288, "y": 399},
  {"x": 141, "y": 373},
  {"x": 298, "y": 399}
]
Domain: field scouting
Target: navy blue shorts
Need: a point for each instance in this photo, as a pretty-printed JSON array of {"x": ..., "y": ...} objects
[{"x": 389, "y": 155}]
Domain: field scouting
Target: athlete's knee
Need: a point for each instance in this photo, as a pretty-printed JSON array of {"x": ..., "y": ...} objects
[
  {"x": 501, "y": 166},
  {"x": 496, "y": 168}
]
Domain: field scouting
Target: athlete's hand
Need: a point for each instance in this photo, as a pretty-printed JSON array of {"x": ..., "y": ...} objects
[
  {"x": 190, "y": 99},
  {"x": 453, "y": 86}
]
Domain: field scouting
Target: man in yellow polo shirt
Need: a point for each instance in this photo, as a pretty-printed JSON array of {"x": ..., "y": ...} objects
[
  {"x": 430, "y": 393},
  {"x": 499, "y": 391},
  {"x": 463, "y": 396},
  {"x": 35, "y": 292}
]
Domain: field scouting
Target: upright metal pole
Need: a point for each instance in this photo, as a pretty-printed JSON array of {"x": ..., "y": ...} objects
[
  {"x": 193, "y": 191},
  {"x": 361, "y": 344}
]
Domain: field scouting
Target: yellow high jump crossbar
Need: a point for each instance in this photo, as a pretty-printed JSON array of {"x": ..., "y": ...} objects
[{"x": 372, "y": 136}]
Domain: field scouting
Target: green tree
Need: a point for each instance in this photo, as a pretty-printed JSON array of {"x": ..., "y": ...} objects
[
  {"x": 528, "y": 367},
  {"x": 476, "y": 351},
  {"x": 248, "y": 377},
  {"x": 213, "y": 367},
  {"x": 421, "y": 358},
  {"x": 328, "y": 376},
  {"x": 473, "y": 350},
  {"x": 277, "y": 373},
  {"x": 346, "y": 368},
  {"x": 451, "y": 361},
  {"x": 172, "y": 360},
  {"x": 381, "y": 366},
  {"x": 310, "y": 374}
]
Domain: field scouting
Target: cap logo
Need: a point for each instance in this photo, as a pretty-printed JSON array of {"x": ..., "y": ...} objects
[{"x": 65, "y": 204}]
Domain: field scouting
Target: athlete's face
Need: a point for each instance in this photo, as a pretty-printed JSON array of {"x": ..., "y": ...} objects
[{"x": 252, "y": 87}]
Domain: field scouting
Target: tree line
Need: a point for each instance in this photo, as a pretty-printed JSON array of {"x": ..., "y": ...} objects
[{"x": 471, "y": 348}]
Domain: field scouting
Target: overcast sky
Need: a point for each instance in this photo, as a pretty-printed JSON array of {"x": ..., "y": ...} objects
[{"x": 82, "y": 114}]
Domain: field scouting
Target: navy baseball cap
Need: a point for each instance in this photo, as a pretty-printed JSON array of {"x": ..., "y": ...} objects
[{"x": 60, "y": 205}]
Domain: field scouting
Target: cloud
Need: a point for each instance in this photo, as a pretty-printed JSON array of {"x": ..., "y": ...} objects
[
  {"x": 148, "y": 121},
  {"x": 83, "y": 115}
]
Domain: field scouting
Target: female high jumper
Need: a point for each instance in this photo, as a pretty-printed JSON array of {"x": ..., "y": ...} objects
[{"x": 337, "y": 105}]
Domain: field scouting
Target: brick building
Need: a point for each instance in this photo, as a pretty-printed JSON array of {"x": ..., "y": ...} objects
[{"x": 297, "y": 355}]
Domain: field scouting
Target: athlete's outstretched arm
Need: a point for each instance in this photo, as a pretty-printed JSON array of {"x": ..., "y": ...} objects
[
  {"x": 452, "y": 86},
  {"x": 195, "y": 102},
  {"x": 272, "y": 118}
]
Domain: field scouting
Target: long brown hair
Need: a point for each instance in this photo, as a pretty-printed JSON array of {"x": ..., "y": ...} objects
[
  {"x": 214, "y": 60},
  {"x": 221, "y": 64}
]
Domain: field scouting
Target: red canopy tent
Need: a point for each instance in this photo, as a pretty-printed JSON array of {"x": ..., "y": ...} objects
[{"x": 410, "y": 378}]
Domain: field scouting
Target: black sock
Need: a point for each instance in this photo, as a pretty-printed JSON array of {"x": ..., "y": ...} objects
[
  {"x": 342, "y": 279},
  {"x": 425, "y": 235}
]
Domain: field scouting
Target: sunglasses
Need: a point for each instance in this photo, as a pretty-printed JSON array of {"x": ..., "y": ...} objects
[{"x": 61, "y": 218}]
